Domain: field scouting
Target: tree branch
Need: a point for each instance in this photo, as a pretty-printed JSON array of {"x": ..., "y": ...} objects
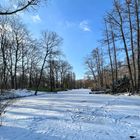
[{"x": 31, "y": 2}]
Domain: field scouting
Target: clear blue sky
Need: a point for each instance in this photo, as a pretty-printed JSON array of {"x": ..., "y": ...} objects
[{"x": 78, "y": 22}]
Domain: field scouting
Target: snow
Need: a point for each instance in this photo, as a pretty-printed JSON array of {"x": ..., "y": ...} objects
[
  {"x": 16, "y": 93},
  {"x": 72, "y": 115},
  {"x": 11, "y": 94}
]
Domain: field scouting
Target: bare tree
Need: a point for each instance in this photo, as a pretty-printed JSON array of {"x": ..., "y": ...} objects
[
  {"x": 50, "y": 42},
  {"x": 107, "y": 41},
  {"x": 130, "y": 14},
  {"x": 118, "y": 19},
  {"x": 4, "y": 48},
  {"x": 21, "y": 57},
  {"x": 94, "y": 64},
  {"x": 19, "y": 43},
  {"x": 115, "y": 51},
  {"x": 91, "y": 68},
  {"x": 65, "y": 68},
  {"x": 33, "y": 60},
  {"x": 137, "y": 11}
]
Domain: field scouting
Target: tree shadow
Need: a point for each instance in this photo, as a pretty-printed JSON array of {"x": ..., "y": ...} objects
[{"x": 16, "y": 133}]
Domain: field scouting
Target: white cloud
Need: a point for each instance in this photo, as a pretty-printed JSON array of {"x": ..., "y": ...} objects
[
  {"x": 36, "y": 18},
  {"x": 14, "y": 6},
  {"x": 84, "y": 25}
]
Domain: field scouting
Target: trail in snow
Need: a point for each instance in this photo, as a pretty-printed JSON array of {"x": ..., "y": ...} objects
[{"x": 73, "y": 115}]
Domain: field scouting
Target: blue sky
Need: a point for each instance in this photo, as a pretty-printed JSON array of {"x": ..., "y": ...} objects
[{"x": 78, "y": 22}]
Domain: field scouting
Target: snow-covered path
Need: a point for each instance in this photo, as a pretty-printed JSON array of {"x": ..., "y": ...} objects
[{"x": 73, "y": 115}]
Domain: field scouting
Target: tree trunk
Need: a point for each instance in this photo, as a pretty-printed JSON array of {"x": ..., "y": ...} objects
[
  {"x": 132, "y": 45},
  {"x": 115, "y": 53},
  {"x": 41, "y": 72},
  {"x": 110, "y": 57},
  {"x": 125, "y": 47},
  {"x": 138, "y": 41}
]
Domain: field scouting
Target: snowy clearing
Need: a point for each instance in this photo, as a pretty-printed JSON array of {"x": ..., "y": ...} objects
[{"x": 72, "y": 115}]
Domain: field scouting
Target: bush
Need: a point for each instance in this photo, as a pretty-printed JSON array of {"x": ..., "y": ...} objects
[
  {"x": 121, "y": 85},
  {"x": 3, "y": 105}
]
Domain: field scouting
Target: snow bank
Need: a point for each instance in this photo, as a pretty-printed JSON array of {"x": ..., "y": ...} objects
[
  {"x": 16, "y": 93},
  {"x": 20, "y": 93}
]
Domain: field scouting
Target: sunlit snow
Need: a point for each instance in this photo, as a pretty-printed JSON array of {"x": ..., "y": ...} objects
[{"x": 72, "y": 115}]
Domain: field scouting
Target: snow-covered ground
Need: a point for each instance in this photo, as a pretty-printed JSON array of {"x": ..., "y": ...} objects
[
  {"x": 17, "y": 93},
  {"x": 72, "y": 115}
]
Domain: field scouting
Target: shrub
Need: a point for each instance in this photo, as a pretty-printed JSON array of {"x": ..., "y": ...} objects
[{"x": 121, "y": 85}]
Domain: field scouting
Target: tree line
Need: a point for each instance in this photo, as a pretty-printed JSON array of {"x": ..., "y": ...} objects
[
  {"x": 117, "y": 60},
  {"x": 26, "y": 62}
]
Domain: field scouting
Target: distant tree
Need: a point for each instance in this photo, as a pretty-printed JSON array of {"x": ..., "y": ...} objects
[
  {"x": 89, "y": 62},
  {"x": 94, "y": 64},
  {"x": 65, "y": 69}
]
